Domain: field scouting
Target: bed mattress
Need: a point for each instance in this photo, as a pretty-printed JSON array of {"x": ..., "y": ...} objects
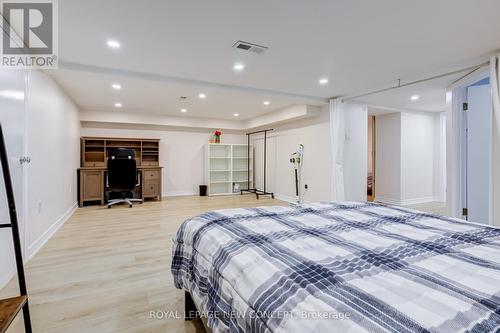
[{"x": 339, "y": 267}]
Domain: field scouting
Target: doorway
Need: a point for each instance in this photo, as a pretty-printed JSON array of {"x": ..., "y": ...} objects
[
  {"x": 476, "y": 139},
  {"x": 370, "y": 191}
]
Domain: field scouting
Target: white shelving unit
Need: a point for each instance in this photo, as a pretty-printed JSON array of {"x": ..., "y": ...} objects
[{"x": 227, "y": 166}]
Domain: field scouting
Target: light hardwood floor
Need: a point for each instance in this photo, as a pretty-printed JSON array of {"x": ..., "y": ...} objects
[
  {"x": 430, "y": 207},
  {"x": 106, "y": 269}
]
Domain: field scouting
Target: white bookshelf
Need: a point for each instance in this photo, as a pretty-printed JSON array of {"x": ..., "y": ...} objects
[{"x": 227, "y": 166}]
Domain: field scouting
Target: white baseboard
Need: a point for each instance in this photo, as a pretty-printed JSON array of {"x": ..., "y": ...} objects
[
  {"x": 405, "y": 202},
  {"x": 191, "y": 193},
  {"x": 178, "y": 193},
  {"x": 389, "y": 201},
  {"x": 285, "y": 198},
  {"x": 417, "y": 201},
  {"x": 38, "y": 244},
  {"x": 44, "y": 238}
]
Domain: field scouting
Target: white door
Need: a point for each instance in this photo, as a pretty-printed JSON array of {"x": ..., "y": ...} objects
[
  {"x": 479, "y": 120},
  {"x": 12, "y": 118}
]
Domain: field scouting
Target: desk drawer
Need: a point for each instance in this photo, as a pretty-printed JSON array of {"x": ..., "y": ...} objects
[
  {"x": 151, "y": 174},
  {"x": 151, "y": 188},
  {"x": 91, "y": 186},
  {"x": 94, "y": 164}
]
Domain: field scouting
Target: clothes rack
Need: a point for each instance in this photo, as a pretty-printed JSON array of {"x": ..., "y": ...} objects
[{"x": 255, "y": 190}]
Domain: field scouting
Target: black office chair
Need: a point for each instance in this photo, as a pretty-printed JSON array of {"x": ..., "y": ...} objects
[{"x": 122, "y": 175}]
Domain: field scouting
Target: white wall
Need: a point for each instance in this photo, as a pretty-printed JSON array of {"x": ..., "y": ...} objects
[
  {"x": 182, "y": 154},
  {"x": 410, "y": 154},
  {"x": 53, "y": 131},
  {"x": 440, "y": 172},
  {"x": 51, "y": 134},
  {"x": 314, "y": 134},
  {"x": 418, "y": 157},
  {"x": 496, "y": 170},
  {"x": 388, "y": 158}
]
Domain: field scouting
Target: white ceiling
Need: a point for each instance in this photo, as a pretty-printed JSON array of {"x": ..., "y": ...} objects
[
  {"x": 93, "y": 92},
  {"x": 357, "y": 44},
  {"x": 432, "y": 96}
]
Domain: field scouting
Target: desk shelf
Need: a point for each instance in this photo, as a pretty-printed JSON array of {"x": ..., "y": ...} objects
[{"x": 95, "y": 150}]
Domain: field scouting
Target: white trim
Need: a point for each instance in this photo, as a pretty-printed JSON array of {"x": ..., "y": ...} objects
[
  {"x": 456, "y": 95},
  {"x": 24, "y": 217},
  {"x": 44, "y": 238},
  {"x": 405, "y": 202},
  {"x": 178, "y": 193},
  {"x": 416, "y": 201},
  {"x": 471, "y": 78},
  {"x": 285, "y": 198},
  {"x": 222, "y": 194},
  {"x": 389, "y": 201}
]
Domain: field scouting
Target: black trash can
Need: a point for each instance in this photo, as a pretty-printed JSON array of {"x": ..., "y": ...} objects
[{"x": 203, "y": 190}]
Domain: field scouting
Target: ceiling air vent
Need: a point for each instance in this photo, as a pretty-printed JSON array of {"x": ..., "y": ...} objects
[{"x": 246, "y": 46}]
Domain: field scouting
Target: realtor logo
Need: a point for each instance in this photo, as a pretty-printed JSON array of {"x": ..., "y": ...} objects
[{"x": 29, "y": 38}]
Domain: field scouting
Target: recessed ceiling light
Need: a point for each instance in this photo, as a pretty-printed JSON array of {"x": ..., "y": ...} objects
[
  {"x": 118, "y": 105},
  {"x": 323, "y": 81},
  {"x": 236, "y": 114},
  {"x": 202, "y": 96},
  {"x": 116, "y": 86},
  {"x": 415, "y": 98},
  {"x": 266, "y": 103},
  {"x": 114, "y": 44},
  {"x": 238, "y": 67},
  {"x": 184, "y": 110}
]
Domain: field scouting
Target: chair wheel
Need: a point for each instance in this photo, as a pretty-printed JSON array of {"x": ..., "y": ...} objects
[
  {"x": 109, "y": 207},
  {"x": 129, "y": 206}
]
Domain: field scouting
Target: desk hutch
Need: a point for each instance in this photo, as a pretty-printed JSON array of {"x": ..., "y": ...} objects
[{"x": 92, "y": 171}]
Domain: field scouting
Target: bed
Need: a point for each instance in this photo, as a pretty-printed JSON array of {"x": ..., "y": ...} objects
[{"x": 339, "y": 267}]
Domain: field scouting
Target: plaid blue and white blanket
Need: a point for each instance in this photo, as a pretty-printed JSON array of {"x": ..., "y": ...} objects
[{"x": 339, "y": 267}]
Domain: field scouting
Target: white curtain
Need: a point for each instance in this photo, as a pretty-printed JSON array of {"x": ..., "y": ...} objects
[
  {"x": 349, "y": 146},
  {"x": 495, "y": 85},
  {"x": 337, "y": 140}
]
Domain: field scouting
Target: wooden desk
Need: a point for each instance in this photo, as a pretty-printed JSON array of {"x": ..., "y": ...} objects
[
  {"x": 92, "y": 184},
  {"x": 92, "y": 174}
]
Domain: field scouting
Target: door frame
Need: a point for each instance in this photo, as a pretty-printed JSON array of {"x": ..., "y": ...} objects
[
  {"x": 374, "y": 156},
  {"x": 372, "y": 122},
  {"x": 456, "y": 96},
  {"x": 24, "y": 222}
]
